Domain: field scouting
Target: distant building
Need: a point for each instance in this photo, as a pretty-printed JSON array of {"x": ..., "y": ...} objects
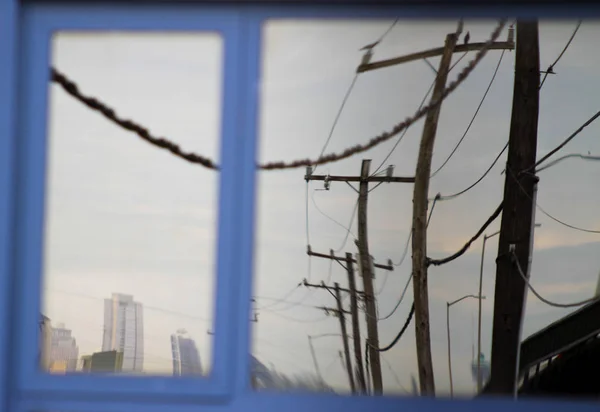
[
  {"x": 124, "y": 330},
  {"x": 485, "y": 369},
  {"x": 45, "y": 342},
  {"x": 186, "y": 360},
  {"x": 86, "y": 363},
  {"x": 415, "y": 387},
  {"x": 63, "y": 350},
  {"x": 99, "y": 362}
]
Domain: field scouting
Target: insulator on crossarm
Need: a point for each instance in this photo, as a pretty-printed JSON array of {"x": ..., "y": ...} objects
[{"x": 511, "y": 34}]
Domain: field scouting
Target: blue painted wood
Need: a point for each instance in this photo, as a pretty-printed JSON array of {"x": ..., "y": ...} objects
[
  {"x": 228, "y": 390},
  {"x": 287, "y": 402},
  {"x": 249, "y": 75},
  {"x": 38, "y": 24},
  {"x": 8, "y": 94}
]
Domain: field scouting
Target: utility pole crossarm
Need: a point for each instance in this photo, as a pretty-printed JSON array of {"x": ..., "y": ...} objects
[
  {"x": 330, "y": 288},
  {"x": 438, "y": 51},
  {"x": 336, "y": 312},
  {"x": 376, "y": 179},
  {"x": 332, "y": 256}
]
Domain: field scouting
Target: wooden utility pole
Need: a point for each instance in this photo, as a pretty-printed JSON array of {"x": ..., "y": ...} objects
[
  {"x": 419, "y": 227},
  {"x": 420, "y": 202},
  {"x": 340, "y": 313},
  {"x": 518, "y": 213},
  {"x": 356, "y": 335},
  {"x": 342, "y": 319},
  {"x": 364, "y": 257},
  {"x": 355, "y": 324},
  {"x": 365, "y": 264}
]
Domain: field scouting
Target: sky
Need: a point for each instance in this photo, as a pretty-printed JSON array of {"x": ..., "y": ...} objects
[{"x": 126, "y": 217}]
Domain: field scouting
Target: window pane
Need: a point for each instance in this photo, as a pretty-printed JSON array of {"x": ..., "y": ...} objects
[
  {"x": 130, "y": 228},
  {"x": 308, "y": 80}
]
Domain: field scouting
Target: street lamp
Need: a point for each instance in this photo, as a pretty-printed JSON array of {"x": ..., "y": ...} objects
[
  {"x": 448, "y": 304},
  {"x": 485, "y": 238}
]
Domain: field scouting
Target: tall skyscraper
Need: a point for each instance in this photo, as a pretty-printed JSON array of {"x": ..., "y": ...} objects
[
  {"x": 124, "y": 330},
  {"x": 63, "y": 350},
  {"x": 186, "y": 360}
]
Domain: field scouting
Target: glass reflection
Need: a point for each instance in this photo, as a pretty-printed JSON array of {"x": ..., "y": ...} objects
[
  {"x": 314, "y": 276},
  {"x": 129, "y": 237}
]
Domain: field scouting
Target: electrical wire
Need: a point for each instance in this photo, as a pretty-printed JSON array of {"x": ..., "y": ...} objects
[
  {"x": 349, "y": 228},
  {"x": 406, "y": 130},
  {"x": 551, "y": 67},
  {"x": 395, "y": 375},
  {"x": 346, "y": 229},
  {"x": 463, "y": 250},
  {"x": 411, "y": 275},
  {"x": 337, "y": 117},
  {"x": 540, "y": 297},
  {"x": 276, "y": 313},
  {"x": 309, "y": 270},
  {"x": 280, "y": 300},
  {"x": 537, "y": 205},
  {"x": 312, "y": 291},
  {"x": 399, "y": 335},
  {"x": 404, "y": 253},
  {"x": 560, "y": 159},
  {"x": 564, "y": 143},
  {"x": 384, "y": 35},
  {"x": 472, "y": 118},
  {"x": 72, "y": 89},
  {"x": 462, "y": 192}
]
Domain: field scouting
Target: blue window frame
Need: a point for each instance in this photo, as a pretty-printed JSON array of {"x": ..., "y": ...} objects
[{"x": 25, "y": 30}]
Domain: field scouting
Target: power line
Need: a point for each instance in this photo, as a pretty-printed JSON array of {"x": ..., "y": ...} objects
[
  {"x": 395, "y": 375},
  {"x": 281, "y": 300},
  {"x": 389, "y": 29},
  {"x": 346, "y": 229},
  {"x": 473, "y": 118},
  {"x": 337, "y": 117},
  {"x": 462, "y": 192},
  {"x": 406, "y": 130},
  {"x": 564, "y": 143},
  {"x": 71, "y": 88},
  {"x": 404, "y": 255},
  {"x": 540, "y": 297},
  {"x": 407, "y": 243},
  {"x": 385, "y": 136},
  {"x": 399, "y": 335},
  {"x": 462, "y": 251},
  {"x": 298, "y": 320},
  {"x": 156, "y": 308},
  {"x": 551, "y": 67},
  {"x": 310, "y": 292},
  {"x": 537, "y": 205},
  {"x": 349, "y": 227},
  {"x": 277, "y": 301},
  {"x": 560, "y": 159}
]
